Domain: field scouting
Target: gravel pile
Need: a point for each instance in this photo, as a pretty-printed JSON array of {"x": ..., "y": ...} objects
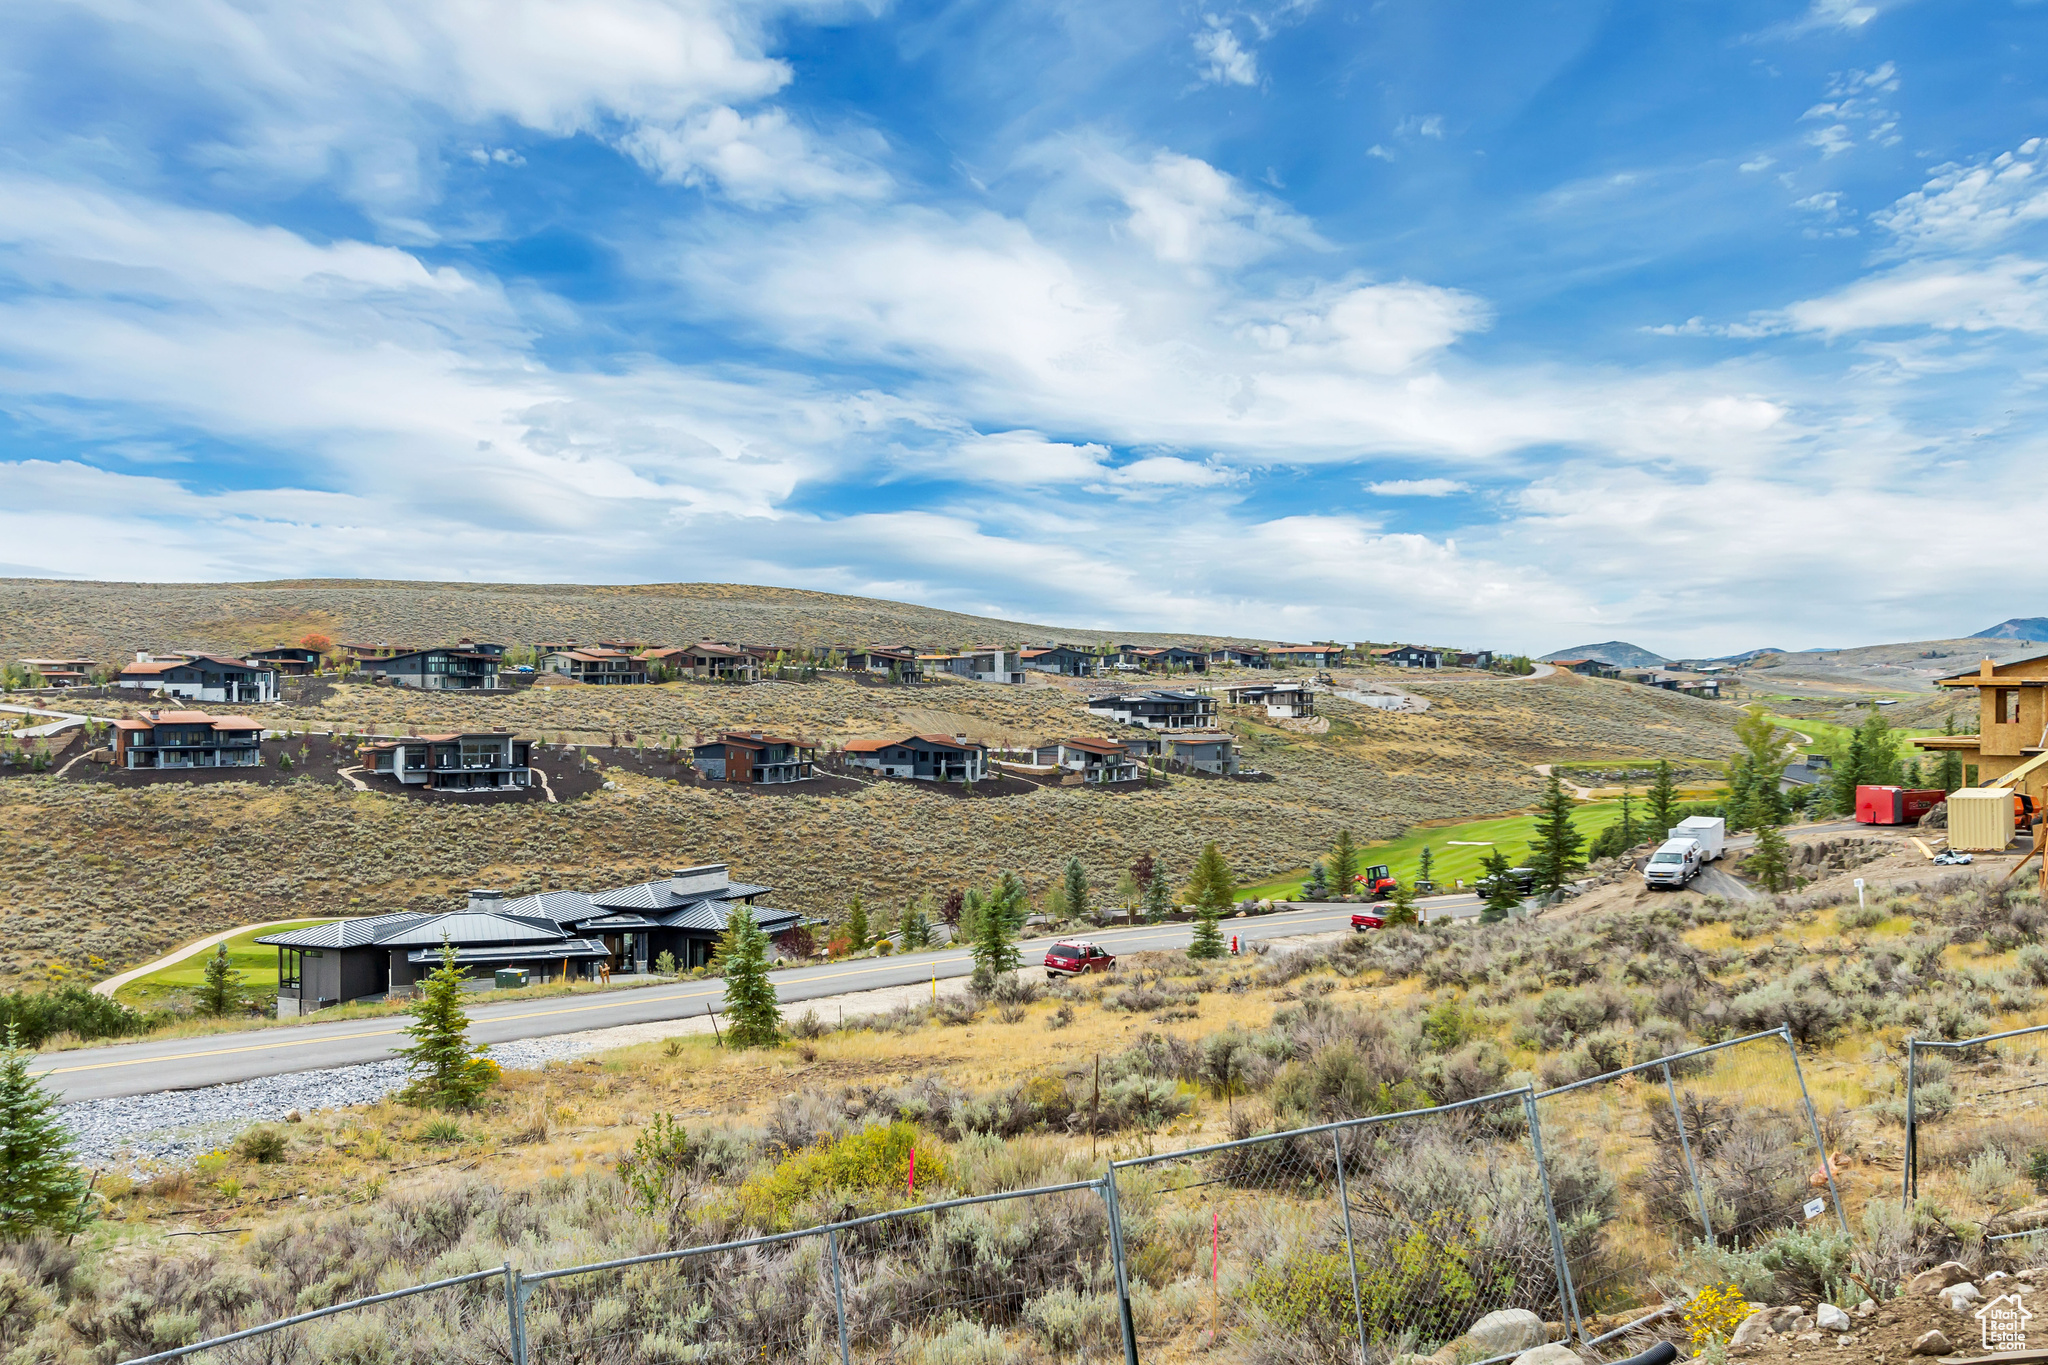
[{"x": 136, "y": 1132}]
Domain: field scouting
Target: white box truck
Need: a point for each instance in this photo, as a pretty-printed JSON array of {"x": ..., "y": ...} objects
[
  {"x": 1710, "y": 832},
  {"x": 1675, "y": 863}
]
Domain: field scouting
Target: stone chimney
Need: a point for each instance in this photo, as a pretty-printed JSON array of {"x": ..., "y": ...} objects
[
  {"x": 705, "y": 879},
  {"x": 485, "y": 899}
]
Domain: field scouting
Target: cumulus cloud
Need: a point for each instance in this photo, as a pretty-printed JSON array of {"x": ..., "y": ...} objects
[
  {"x": 1223, "y": 60},
  {"x": 757, "y": 160},
  {"x": 1190, "y": 213}
]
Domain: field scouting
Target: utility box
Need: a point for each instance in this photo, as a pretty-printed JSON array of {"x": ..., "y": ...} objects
[
  {"x": 1979, "y": 819},
  {"x": 511, "y": 978},
  {"x": 1895, "y": 805}
]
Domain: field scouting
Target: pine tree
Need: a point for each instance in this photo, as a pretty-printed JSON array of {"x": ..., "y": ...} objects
[
  {"x": 749, "y": 994},
  {"x": 1317, "y": 887},
  {"x": 1077, "y": 890},
  {"x": 1663, "y": 800},
  {"x": 1344, "y": 863},
  {"x": 1210, "y": 888},
  {"x": 916, "y": 928},
  {"x": 448, "y": 1073},
  {"x": 40, "y": 1187},
  {"x": 1556, "y": 851},
  {"x": 1950, "y": 776},
  {"x": 1631, "y": 833},
  {"x": 857, "y": 923},
  {"x": 1158, "y": 899},
  {"x": 1428, "y": 866},
  {"x": 1768, "y": 861},
  {"x": 995, "y": 950},
  {"x": 1503, "y": 898},
  {"x": 221, "y": 988},
  {"x": 1401, "y": 908}
]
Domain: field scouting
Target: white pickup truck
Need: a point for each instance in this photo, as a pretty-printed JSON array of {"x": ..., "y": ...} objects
[{"x": 1695, "y": 841}]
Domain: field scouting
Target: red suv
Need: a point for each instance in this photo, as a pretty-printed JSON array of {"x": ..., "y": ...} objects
[{"x": 1075, "y": 957}]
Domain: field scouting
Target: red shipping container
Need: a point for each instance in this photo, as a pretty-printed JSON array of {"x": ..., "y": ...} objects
[
  {"x": 1895, "y": 805},
  {"x": 1878, "y": 806}
]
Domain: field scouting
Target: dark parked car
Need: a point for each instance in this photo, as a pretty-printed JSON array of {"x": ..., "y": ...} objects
[{"x": 1524, "y": 879}]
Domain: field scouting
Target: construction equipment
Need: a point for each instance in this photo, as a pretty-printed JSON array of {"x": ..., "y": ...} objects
[
  {"x": 1376, "y": 882},
  {"x": 2023, "y": 815}
]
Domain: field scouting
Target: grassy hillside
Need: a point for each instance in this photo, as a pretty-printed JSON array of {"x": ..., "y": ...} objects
[
  {"x": 88, "y": 870},
  {"x": 110, "y": 620}
]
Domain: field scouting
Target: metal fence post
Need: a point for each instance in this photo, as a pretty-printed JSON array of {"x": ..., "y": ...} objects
[
  {"x": 1116, "y": 1256},
  {"x": 1350, "y": 1252},
  {"x": 1907, "y": 1167},
  {"x": 1827, "y": 1165},
  {"x": 1685, "y": 1144},
  {"x": 515, "y": 1312},
  {"x": 839, "y": 1297},
  {"x": 1568, "y": 1295}
]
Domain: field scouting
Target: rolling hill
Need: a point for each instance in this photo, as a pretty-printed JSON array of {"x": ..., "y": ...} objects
[
  {"x": 2016, "y": 628},
  {"x": 1620, "y": 653}
]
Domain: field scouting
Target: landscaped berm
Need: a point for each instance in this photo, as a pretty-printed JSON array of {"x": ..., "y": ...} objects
[{"x": 1750, "y": 1212}]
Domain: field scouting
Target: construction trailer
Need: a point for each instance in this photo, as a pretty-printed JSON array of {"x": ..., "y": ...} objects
[
  {"x": 1980, "y": 819},
  {"x": 1895, "y": 805}
]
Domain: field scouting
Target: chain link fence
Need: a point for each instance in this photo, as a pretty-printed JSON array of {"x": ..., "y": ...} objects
[
  {"x": 1718, "y": 1145},
  {"x": 1359, "y": 1240},
  {"x": 1980, "y": 1101}
]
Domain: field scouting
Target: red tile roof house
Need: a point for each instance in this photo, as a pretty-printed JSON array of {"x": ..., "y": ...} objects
[
  {"x": 201, "y": 677},
  {"x": 706, "y": 659},
  {"x": 927, "y": 758},
  {"x": 187, "y": 739}
]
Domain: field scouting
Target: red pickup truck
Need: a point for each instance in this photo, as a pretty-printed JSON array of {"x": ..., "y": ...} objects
[{"x": 1362, "y": 920}]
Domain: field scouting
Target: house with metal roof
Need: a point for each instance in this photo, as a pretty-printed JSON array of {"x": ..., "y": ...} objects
[
  {"x": 293, "y": 661},
  {"x": 201, "y": 677},
  {"x": 1239, "y": 656},
  {"x": 1283, "y": 701},
  {"x": 899, "y": 664},
  {"x": 554, "y": 935},
  {"x": 1158, "y": 710},
  {"x": 1088, "y": 760},
  {"x": 487, "y": 760},
  {"x": 925, "y": 758},
  {"x": 1204, "y": 751},
  {"x": 1065, "y": 660},
  {"x": 186, "y": 739},
  {"x": 465, "y": 667}
]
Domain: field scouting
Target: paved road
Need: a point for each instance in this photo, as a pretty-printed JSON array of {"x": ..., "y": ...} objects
[{"x": 184, "y": 1063}]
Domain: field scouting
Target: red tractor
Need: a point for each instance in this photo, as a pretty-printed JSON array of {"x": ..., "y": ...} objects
[{"x": 1375, "y": 883}]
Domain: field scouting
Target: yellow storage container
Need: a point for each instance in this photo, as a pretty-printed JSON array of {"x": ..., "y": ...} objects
[{"x": 1980, "y": 819}]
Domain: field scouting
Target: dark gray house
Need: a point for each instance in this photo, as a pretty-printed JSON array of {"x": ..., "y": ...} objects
[
  {"x": 928, "y": 758},
  {"x": 488, "y": 760},
  {"x": 450, "y": 668},
  {"x": 553, "y": 935},
  {"x": 750, "y": 756},
  {"x": 201, "y": 677},
  {"x": 1062, "y": 659},
  {"x": 1158, "y": 710}
]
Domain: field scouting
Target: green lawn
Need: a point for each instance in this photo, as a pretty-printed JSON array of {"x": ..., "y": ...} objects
[
  {"x": 257, "y": 963},
  {"x": 1510, "y": 834},
  {"x": 1826, "y": 733}
]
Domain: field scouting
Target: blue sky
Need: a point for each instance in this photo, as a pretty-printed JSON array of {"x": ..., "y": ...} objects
[{"x": 1707, "y": 325}]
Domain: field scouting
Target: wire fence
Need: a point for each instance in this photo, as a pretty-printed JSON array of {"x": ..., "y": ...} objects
[
  {"x": 1353, "y": 1241},
  {"x": 1718, "y": 1145},
  {"x": 1991, "y": 1084}
]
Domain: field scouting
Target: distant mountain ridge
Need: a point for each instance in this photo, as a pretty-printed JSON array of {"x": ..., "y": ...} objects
[
  {"x": 1620, "y": 653},
  {"x": 2017, "y": 628}
]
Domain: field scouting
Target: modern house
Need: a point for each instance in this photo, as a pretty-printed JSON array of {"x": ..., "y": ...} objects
[
  {"x": 1158, "y": 710},
  {"x": 752, "y": 757},
  {"x": 927, "y": 758},
  {"x": 1587, "y": 668},
  {"x": 292, "y": 661},
  {"x": 1167, "y": 659},
  {"x": 1305, "y": 656},
  {"x": 1477, "y": 658},
  {"x": 900, "y": 664},
  {"x": 488, "y": 760},
  {"x": 361, "y": 651},
  {"x": 1240, "y": 656},
  {"x": 187, "y": 739},
  {"x": 1206, "y": 751},
  {"x": 201, "y": 677},
  {"x": 1283, "y": 701},
  {"x": 706, "y": 659},
  {"x": 1409, "y": 656},
  {"x": 1064, "y": 660},
  {"x": 449, "y": 668},
  {"x": 600, "y": 665},
  {"x": 1094, "y": 760},
  {"x": 2012, "y": 726},
  {"x": 554, "y": 934},
  {"x": 62, "y": 672},
  {"x": 993, "y": 664}
]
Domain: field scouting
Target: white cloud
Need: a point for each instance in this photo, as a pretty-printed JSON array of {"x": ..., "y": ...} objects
[
  {"x": 1972, "y": 207},
  {"x": 757, "y": 160},
  {"x": 1418, "y": 488},
  {"x": 1832, "y": 140},
  {"x": 2010, "y": 293},
  {"x": 1421, "y": 125},
  {"x": 1190, "y": 213},
  {"x": 1378, "y": 151},
  {"x": 1224, "y": 60},
  {"x": 1759, "y": 163}
]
